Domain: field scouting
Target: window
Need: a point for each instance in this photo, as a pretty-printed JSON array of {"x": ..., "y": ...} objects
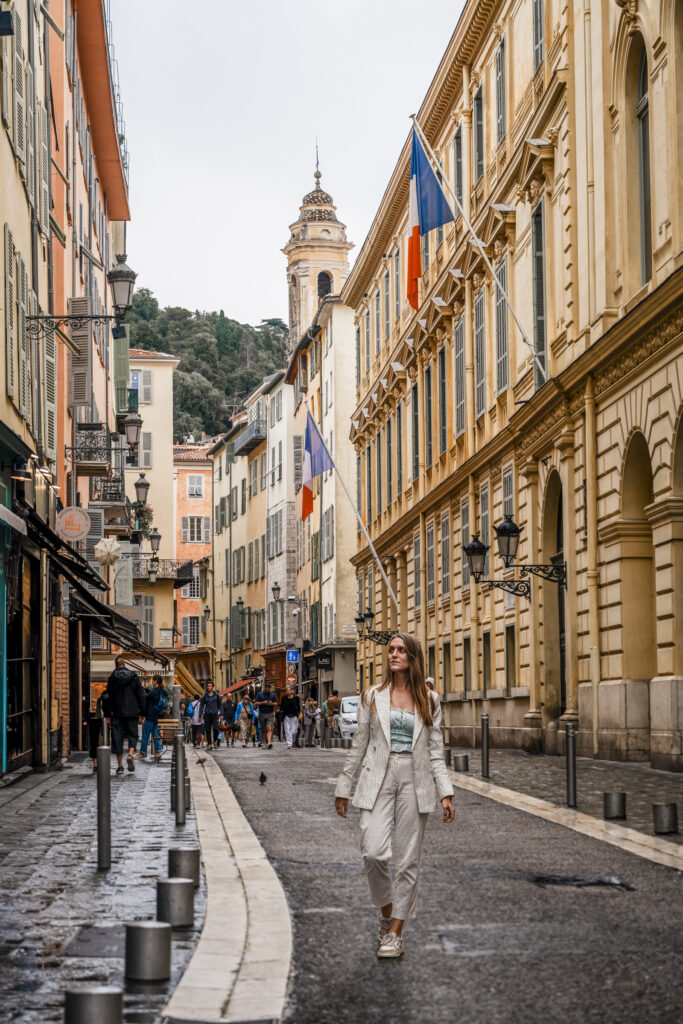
[
  {"x": 190, "y": 630},
  {"x": 263, "y": 554},
  {"x": 439, "y": 230},
  {"x": 484, "y": 522},
  {"x": 146, "y": 602},
  {"x": 466, "y": 664},
  {"x": 378, "y": 457},
  {"x": 443, "y": 407},
  {"x": 445, "y": 556},
  {"x": 390, "y": 464},
  {"x": 416, "y": 571},
  {"x": 357, "y": 356},
  {"x": 424, "y": 252},
  {"x": 416, "y": 433},
  {"x": 457, "y": 164},
  {"x": 508, "y": 494},
  {"x": 250, "y": 562},
  {"x": 478, "y": 127},
  {"x": 399, "y": 449},
  {"x": 500, "y": 92},
  {"x": 480, "y": 353},
  {"x": 368, "y": 484},
  {"x": 367, "y": 340},
  {"x": 263, "y": 469},
  {"x": 431, "y": 661},
  {"x": 377, "y": 323},
  {"x": 195, "y": 529},
  {"x": 429, "y": 417},
  {"x": 195, "y": 486},
  {"x": 397, "y": 284},
  {"x": 142, "y": 458},
  {"x": 191, "y": 590},
  {"x": 279, "y": 461},
  {"x": 538, "y": 270},
  {"x": 387, "y": 304},
  {"x": 361, "y": 592},
  {"x": 430, "y": 564},
  {"x": 510, "y": 660},
  {"x": 465, "y": 539},
  {"x": 446, "y": 662},
  {"x": 324, "y": 284},
  {"x": 538, "y": 33},
  {"x": 486, "y": 661},
  {"x": 643, "y": 115},
  {"x": 244, "y": 495},
  {"x": 359, "y": 483},
  {"x": 501, "y": 329},
  {"x": 459, "y": 343},
  {"x": 256, "y": 547},
  {"x": 371, "y": 590}
]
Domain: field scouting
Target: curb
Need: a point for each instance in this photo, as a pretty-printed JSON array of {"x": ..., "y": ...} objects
[{"x": 239, "y": 971}]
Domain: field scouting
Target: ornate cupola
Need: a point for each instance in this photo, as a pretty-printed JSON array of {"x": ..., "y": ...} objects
[{"x": 317, "y": 257}]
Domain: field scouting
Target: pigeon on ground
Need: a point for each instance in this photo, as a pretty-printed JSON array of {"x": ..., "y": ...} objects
[
  {"x": 200, "y": 760},
  {"x": 262, "y": 778}
]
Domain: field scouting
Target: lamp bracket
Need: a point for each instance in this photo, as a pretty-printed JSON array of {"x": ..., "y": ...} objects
[
  {"x": 38, "y": 326},
  {"x": 380, "y": 636},
  {"x": 520, "y": 588},
  {"x": 554, "y": 573}
]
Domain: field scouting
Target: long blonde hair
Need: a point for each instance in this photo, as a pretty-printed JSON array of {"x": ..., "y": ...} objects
[{"x": 416, "y": 677}]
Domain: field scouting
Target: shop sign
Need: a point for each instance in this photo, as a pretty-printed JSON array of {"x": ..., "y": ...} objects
[
  {"x": 324, "y": 660},
  {"x": 72, "y": 524}
]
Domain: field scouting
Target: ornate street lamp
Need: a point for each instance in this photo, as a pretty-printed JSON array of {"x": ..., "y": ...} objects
[
  {"x": 364, "y": 629},
  {"x": 153, "y": 569},
  {"x": 360, "y": 623},
  {"x": 240, "y": 605},
  {"x": 475, "y": 553},
  {"x": 132, "y": 425},
  {"x": 141, "y": 489},
  {"x": 122, "y": 282},
  {"x": 507, "y": 535},
  {"x": 276, "y": 592},
  {"x": 154, "y": 540}
]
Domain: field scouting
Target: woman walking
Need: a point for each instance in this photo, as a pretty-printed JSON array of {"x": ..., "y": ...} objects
[
  {"x": 311, "y": 716},
  {"x": 398, "y": 751},
  {"x": 245, "y": 717},
  {"x": 291, "y": 710}
]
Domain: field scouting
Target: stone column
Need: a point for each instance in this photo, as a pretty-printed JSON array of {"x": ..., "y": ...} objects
[
  {"x": 565, "y": 445},
  {"x": 533, "y": 719}
]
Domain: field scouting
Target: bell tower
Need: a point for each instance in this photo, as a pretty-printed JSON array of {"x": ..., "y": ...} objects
[{"x": 317, "y": 258}]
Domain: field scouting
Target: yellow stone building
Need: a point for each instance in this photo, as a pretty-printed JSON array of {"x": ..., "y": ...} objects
[{"x": 558, "y": 126}]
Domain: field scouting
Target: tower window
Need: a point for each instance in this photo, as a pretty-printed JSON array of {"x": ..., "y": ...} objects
[{"x": 324, "y": 284}]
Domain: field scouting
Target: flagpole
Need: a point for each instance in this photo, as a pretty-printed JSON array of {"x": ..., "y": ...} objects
[
  {"x": 477, "y": 242},
  {"x": 358, "y": 515}
]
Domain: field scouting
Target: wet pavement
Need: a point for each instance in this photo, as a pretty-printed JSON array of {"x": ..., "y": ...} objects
[
  {"x": 61, "y": 920},
  {"x": 519, "y": 918},
  {"x": 544, "y": 777}
]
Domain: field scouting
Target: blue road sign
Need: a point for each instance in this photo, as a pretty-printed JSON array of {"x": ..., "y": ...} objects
[{"x": 293, "y": 656}]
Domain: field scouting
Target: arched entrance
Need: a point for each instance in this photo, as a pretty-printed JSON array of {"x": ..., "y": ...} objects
[
  {"x": 637, "y": 570},
  {"x": 554, "y": 626}
]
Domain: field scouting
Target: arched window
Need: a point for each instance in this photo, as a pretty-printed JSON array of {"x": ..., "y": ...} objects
[
  {"x": 324, "y": 284},
  {"x": 643, "y": 118}
]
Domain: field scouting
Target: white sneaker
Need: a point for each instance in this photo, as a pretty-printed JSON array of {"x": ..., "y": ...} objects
[
  {"x": 392, "y": 946},
  {"x": 383, "y": 929}
]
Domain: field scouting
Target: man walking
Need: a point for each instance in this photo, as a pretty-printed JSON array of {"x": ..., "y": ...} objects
[
  {"x": 156, "y": 703},
  {"x": 228, "y": 712},
  {"x": 210, "y": 711},
  {"x": 333, "y": 705},
  {"x": 126, "y": 706},
  {"x": 266, "y": 703}
]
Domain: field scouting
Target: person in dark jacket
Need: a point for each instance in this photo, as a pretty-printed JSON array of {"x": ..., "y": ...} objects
[
  {"x": 156, "y": 705},
  {"x": 126, "y": 707},
  {"x": 210, "y": 710},
  {"x": 290, "y": 705},
  {"x": 228, "y": 712}
]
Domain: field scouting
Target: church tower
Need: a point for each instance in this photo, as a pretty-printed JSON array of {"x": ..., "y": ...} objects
[{"x": 317, "y": 258}]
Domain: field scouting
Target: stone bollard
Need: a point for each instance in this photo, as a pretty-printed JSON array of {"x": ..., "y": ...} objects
[
  {"x": 92, "y": 1003},
  {"x": 184, "y": 863},
  {"x": 665, "y": 819},
  {"x": 614, "y": 806},
  {"x": 148, "y": 951},
  {"x": 175, "y": 901},
  {"x": 347, "y": 744},
  {"x": 461, "y": 762}
]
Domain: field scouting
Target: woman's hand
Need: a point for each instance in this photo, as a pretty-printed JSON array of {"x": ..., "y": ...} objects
[
  {"x": 448, "y": 809},
  {"x": 341, "y": 806}
]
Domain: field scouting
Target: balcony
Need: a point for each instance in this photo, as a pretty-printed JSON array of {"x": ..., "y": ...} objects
[
  {"x": 167, "y": 569},
  {"x": 92, "y": 451},
  {"x": 251, "y": 437},
  {"x": 108, "y": 492}
]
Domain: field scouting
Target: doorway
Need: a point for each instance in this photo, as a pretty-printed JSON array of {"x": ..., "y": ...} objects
[{"x": 554, "y": 625}]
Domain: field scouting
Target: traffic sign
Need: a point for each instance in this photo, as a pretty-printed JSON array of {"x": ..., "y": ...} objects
[
  {"x": 293, "y": 656},
  {"x": 291, "y": 679}
]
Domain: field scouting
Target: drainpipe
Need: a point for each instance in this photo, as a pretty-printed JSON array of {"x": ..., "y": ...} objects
[
  {"x": 592, "y": 553},
  {"x": 474, "y": 611}
]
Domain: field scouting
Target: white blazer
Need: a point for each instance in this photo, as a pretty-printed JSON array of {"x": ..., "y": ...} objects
[{"x": 369, "y": 755}]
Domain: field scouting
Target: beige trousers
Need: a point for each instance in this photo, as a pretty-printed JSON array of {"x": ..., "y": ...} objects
[{"x": 394, "y": 830}]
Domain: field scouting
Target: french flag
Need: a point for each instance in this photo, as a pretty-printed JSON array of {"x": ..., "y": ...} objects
[
  {"x": 317, "y": 460},
  {"x": 428, "y": 209}
]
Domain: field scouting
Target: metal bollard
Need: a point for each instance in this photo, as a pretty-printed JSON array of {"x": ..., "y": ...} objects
[
  {"x": 184, "y": 863},
  {"x": 103, "y": 808},
  {"x": 93, "y": 1003},
  {"x": 180, "y": 781},
  {"x": 461, "y": 763},
  {"x": 484, "y": 746},
  {"x": 347, "y": 744},
  {"x": 665, "y": 819},
  {"x": 447, "y": 756},
  {"x": 175, "y": 901},
  {"x": 148, "y": 951},
  {"x": 613, "y": 806},
  {"x": 571, "y": 764}
]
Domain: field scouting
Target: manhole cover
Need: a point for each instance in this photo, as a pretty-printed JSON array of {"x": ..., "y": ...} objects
[
  {"x": 562, "y": 882},
  {"x": 98, "y": 941}
]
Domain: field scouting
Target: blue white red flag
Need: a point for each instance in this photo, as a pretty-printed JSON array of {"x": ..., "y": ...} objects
[
  {"x": 317, "y": 460},
  {"x": 428, "y": 209}
]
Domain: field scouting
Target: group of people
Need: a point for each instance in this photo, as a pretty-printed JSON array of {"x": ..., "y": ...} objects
[{"x": 256, "y": 720}]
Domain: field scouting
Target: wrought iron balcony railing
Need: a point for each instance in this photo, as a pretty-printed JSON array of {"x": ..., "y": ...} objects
[
  {"x": 108, "y": 490},
  {"x": 252, "y": 436},
  {"x": 92, "y": 452},
  {"x": 180, "y": 572}
]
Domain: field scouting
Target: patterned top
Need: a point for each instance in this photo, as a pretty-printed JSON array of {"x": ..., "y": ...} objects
[{"x": 402, "y": 725}]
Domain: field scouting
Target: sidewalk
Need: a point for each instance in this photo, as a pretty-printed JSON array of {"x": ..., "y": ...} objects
[
  {"x": 544, "y": 777},
  {"x": 61, "y": 921}
]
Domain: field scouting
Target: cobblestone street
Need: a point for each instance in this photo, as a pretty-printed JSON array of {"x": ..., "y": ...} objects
[{"x": 61, "y": 921}]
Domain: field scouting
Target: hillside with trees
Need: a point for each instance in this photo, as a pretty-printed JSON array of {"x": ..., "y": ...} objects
[{"x": 221, "y": 360}]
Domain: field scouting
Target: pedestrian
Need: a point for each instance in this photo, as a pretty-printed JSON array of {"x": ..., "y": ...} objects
[
  {"x": 126, "y": 707},
  {"x": 399, "y": 747},
  {"x": 244, "y": 714},
  {"x": 95, "y": 722},
  {"x": 279, "y": 722},
  {"x": 197, "y": 723},
  {"x": 228, "y": 712},
  {"x": 256, "y": 738},
  {"x": 156, "y": 705},
  {"x": 311, "y": 715},
  {"x": 291, "y": 711},
  {"x": 266, "y": 702},
  {"x": 333, "y": 705},
  {"x": 210, "y": 711}
]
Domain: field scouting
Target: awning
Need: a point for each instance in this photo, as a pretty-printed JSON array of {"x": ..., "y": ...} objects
[
  {"x": 66, "y": 558},
  {"x": 15, "y": 521},
  {"x": 242, "y": 685},
  {"x": 187, "y": 681},
  {"x": 103, "y": 620}
]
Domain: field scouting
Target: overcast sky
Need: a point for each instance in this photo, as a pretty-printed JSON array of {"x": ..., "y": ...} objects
[{"x": 223, "y": 101}]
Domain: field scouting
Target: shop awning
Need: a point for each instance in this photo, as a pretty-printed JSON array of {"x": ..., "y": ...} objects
[
  {"x": 13, "y": 520},
  {"x": 66, "y": 558},
  {"x": 102, "y": 619},
  {"x": 187, "y": 681},
  {"x": 242, "y": 685}
]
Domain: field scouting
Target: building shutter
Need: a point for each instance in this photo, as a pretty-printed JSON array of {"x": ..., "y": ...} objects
[
  {"x": 146, "y": 452},
  {"x": 22, "y": 339},
  {"x": 227, "y": 565},
  {"x": 50, "y": 392},
  {"x": 185, "y": 630},
  {"x": 206, "y": 529},
  {"x": 43, "y": 199},
  {"x": 501, "y": 329},
  {"x": 81, "y": 364},
  {"x": 148, "y": 619},
  {"x": 30, "y": 105},
  {"x": 480, "y": 353},
  {"x": 223, "y": 512},
  {"x": 235, "y": 628},
  {"x": 298, "y": 460},
  {"x": 10, "y": 361},
  {"x": 123, "y": 576},
  {"x": 6, "y": 80},
  {"x": 250, "y": 562},
  {"x": 538, "y": 258},
  {"x": 184, "y": 529},
  {"x": 269, "y": 532},
  {"x": 96, "y": 532},
  {"x": 35, "y": 418},
  {"x": 500, "y": 92},
  {"x": 330, "y": 550},
  {"x": 146, "y": 387},
  {"x": 121, "y": 371},
  {"x": 18, "y": 113},
  {"x": 247, "y": 623},
  {"x": 217, "y": 518}
]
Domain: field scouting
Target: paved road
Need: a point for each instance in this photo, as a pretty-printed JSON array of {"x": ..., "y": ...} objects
[{"x": 495, "y": 940}]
